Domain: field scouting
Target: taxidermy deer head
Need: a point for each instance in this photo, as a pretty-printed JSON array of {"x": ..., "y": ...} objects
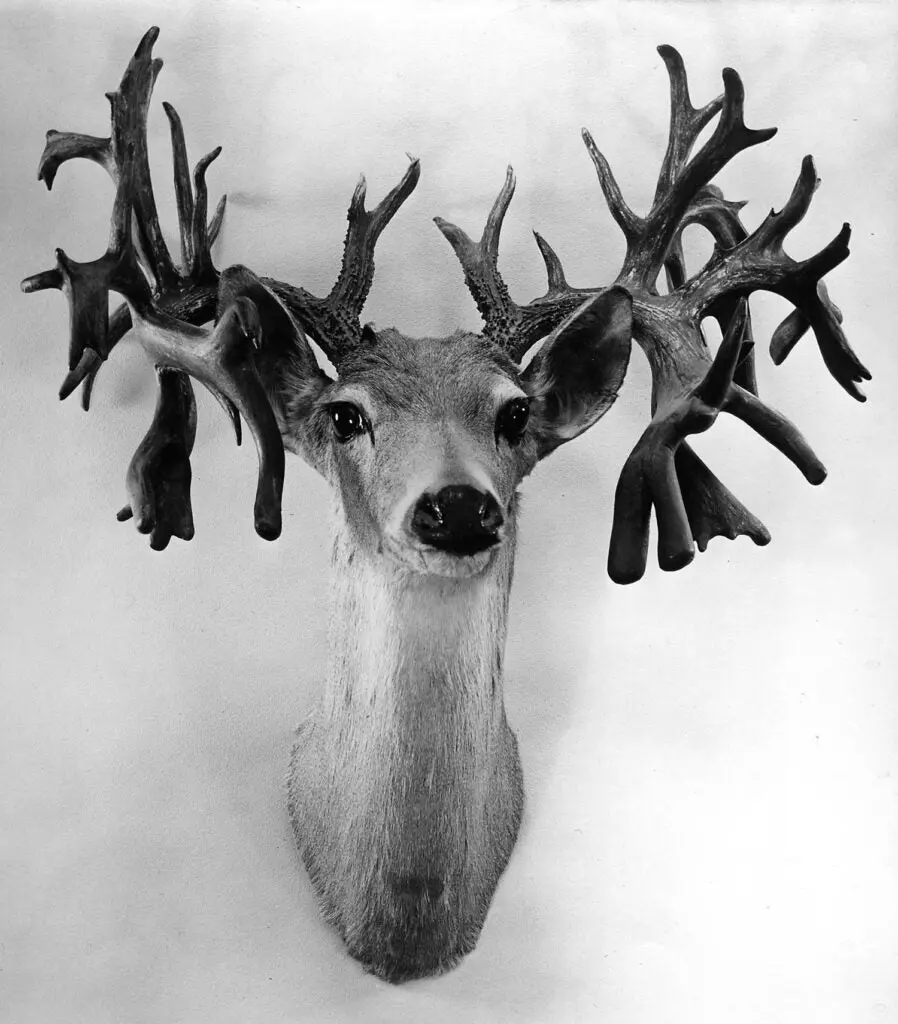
[{"x": 405, "y": 786}]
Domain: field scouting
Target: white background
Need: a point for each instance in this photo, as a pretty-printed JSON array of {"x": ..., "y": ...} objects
[{"x": 711, "y": 831}]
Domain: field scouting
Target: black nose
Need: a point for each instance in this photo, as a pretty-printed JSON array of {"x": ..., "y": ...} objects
[{"x": 460, "y": 520}]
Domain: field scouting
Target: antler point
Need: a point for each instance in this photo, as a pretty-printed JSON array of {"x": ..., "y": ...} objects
[{"x": 145, "y": 46}]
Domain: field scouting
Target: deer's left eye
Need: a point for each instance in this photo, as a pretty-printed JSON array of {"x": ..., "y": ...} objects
[
  {"x": 512, "y": 420},
  {"x": 347, "y": 419}
]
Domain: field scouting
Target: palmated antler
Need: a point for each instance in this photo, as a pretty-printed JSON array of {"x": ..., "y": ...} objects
[
  {"x": 259, "y": 322},
  {"x": 689, "y": 388}
]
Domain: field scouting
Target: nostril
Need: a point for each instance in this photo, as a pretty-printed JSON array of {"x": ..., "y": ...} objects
[
  {"x": 428, "y": 515},
  {"x": 491, "y": 517}
]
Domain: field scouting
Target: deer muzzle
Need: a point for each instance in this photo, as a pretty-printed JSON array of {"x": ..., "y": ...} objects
[{"x": 460, "y": 520}]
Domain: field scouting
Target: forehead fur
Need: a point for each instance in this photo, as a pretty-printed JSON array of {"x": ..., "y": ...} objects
[{"x": 411, "y": 373}]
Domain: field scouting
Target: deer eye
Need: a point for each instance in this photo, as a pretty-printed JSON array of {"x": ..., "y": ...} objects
[
  {"x": 512, "y": 420},
  {"x": 347, "y": 419}
]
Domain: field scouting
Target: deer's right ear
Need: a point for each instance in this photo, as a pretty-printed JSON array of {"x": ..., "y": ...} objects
[
  {"x": 282, "y": 357},
  {"x": 575, "y": 377}
]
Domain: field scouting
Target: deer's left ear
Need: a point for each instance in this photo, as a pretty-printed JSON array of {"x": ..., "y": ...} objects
[{"x": 574, "y": 378}]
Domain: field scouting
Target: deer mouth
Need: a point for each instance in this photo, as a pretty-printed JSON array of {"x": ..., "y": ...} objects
[
  {"x": 463, "y": 546},
  {"x": 456, "y": 564},
  {"x": 461, "y": 561}
]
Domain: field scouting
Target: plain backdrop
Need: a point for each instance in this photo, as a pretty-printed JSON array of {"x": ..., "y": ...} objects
[{"x": 711, "y": 831}]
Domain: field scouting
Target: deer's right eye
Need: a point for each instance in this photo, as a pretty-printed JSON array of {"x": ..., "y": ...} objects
[{"x": 347, "y": 419}]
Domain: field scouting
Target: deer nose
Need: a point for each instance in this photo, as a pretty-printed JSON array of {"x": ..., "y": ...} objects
[{"x": 460, "y": 520}]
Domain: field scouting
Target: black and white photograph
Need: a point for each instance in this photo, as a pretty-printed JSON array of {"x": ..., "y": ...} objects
[{"x": 458, "y": 582}]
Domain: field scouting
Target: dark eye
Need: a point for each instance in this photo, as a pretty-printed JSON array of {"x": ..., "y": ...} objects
[
  {"x": 347, "y": 419},
  {"x": 512, "y": 420}
]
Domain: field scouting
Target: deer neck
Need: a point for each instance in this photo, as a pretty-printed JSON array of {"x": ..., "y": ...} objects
[
  {"x": 417, "y": 658},
  {"x": 406, "y": 778}
]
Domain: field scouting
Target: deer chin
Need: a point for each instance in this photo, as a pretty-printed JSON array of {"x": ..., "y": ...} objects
[{"x": 429, "y": 561}]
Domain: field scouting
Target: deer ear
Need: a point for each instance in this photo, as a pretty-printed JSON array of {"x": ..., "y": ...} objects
[{"x": 574, "y": 378}]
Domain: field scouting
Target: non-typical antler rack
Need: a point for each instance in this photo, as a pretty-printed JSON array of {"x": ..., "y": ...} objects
[
  {"x": 260, "y": 322},
  {"x": 166, "y": 306},
  {"x": 688, "y": 387}
]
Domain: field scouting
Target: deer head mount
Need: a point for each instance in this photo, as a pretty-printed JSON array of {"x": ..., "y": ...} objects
[{"x": 405, "y": 788}]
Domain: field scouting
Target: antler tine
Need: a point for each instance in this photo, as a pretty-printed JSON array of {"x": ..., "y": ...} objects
[
  {"x": 686, "y": 121},
  {"x": 479, "y": 262},
  {"x": 759, "y": 261},
  {"x": 334, "y": 321},
  {"x": 129, "y": 107},
  {"x": 632, "y": 226},
  {"x": 158, "y": 478},
  {"x": 663, "y": 473},
  {"x": 794, "y": 327},
  {"x": 357, "y": 271},
  {"x": 508, "y": 325},
  {"x": 62, "y": 146},
  {"x": 721, "y": 219},
  {"x": 556, "y": 281},
  {"x": 201, "y": 266},
  {"x": 183, "y": 193},
  {"x": 197, "y": 237}
]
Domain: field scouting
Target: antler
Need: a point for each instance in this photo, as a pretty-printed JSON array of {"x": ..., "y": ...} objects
[
  {"x": 188, "y": 294},
  {"x": 334, "y": 321},
  {"x": 258, "y": 332},
  {"x": 688, "y": 387}
]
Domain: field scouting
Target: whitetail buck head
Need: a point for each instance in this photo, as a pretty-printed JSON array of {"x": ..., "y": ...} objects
[
  {"x": 426, "y": 440},
  {"x": 405, "y": 787}
]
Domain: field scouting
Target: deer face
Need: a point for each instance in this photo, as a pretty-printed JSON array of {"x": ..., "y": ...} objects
[{"x": 427, "y": 440}]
